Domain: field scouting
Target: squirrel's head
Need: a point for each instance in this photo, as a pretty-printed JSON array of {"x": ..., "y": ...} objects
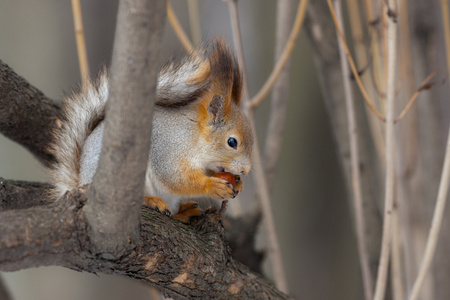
[
  {"x": 227, "y": 133},
  {"x": 210, "y": 80}
]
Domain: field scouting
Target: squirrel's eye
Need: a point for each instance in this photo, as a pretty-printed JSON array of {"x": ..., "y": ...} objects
[{"x": 232, "y": 143}]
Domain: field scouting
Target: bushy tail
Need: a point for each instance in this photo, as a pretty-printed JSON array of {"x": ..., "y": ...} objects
[{"x": 82, "y": 113}]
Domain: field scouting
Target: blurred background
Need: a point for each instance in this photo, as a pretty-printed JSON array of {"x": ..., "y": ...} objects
[{"x": 309, "y": 202}]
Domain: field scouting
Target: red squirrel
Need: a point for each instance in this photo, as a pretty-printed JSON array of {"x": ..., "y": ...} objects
[{"x": 198, "y": 131}]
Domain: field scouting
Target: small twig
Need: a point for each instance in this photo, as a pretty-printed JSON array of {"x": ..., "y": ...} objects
[
  {"x": 446, "y": 31},
  {"x": 352, "y": 65},
  {"x": 81, "y": 45},
  {"x": 383, "y": 263},
  {"x": 284, "y": 57},
  {"x": 423, "y": 86},
  {"x": 258, "y": 174},
  {"x": 364, "y": 60},
  {"x": 232, "y": 5},
  {"x": 178, "y": 29},
  {"x": 374, "y": 45},
  {"x": 194, "y": 21},
  {"x": 356, "y": 176}
]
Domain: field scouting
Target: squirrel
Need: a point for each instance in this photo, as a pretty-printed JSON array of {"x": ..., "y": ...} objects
[{"x": 198, "y": 131}]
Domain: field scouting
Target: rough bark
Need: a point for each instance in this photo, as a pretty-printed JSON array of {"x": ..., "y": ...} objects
[
  {"x": 26, "y": 114},
  {"x": 21, "y": 194},
  {"x": 183, "y": 261}
]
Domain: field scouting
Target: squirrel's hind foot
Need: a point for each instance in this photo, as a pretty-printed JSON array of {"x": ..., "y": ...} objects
[
  {"x": 187, "y": 210},
  {"x": 158, "y": 204}
]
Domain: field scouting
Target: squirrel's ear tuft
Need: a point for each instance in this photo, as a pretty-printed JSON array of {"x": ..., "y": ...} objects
[
  {"x": 226, "y": 78},
  {"x": 216, "y": 110}
]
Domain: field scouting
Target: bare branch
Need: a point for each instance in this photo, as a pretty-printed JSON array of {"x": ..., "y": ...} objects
[
  {"x": 183, "y": 261},
  {"x": 118, "y": 185},
  {"x": 390, "y": 161},
  {"x": 22, "y": 194},
  {"x": 354, "y": 159},
  {"x": 81, "y": 44},
  {"x": 353, "y": 67},
  {"x": 27, "y": 116},
  {"x": 194, "y": 21},
  {"x": 284, "y": 57},
  {"x": 423, "y": 86},
  {"x": 173, "y": 20}
]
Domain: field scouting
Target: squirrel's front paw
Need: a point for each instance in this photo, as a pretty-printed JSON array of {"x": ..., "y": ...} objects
[{"x": 221, "y": 189}]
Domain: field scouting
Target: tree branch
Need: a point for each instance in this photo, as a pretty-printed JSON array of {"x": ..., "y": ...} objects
[
  {"x": 183, "y": 261},
  {"x": 27, "y": 116},
  {"x": 118, "y": 185},
  {"x": 21, "y": 194}
]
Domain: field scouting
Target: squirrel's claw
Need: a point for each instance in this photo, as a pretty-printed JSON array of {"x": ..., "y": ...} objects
[
  {"x": 187, "y": 210},
  {"x": 238, "y": 188},
  {"x": 158, "y": 204}
]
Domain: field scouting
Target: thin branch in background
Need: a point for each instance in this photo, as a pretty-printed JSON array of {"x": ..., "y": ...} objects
[
  {"x": 280, "y": 94},
  {"x": 408, "y": 154},
  {"x": 363, "y": 58},
  {"x": 81, "y": 45},
  {"x": 374, "y": 45},
  {"x": 173, "y": 20},
  {"x": 274, "y": 249},
  {"x": 383, "y": 262},
  {"x": 194, "y": 21},
  {"x": 423, "y": 86},
  {"x": 352, "y": 65},
  {"x": 356, "y": 176},
  {"x": 446, "y": 21},
  {"x": 237, "y": 37},
  {"x": 398, "y": 289},
  {"x": 443, "y": 185},
  {"x": 259, "y": 97}
]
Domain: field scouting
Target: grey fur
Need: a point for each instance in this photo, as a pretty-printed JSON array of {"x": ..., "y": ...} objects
[{"x": 180, "y": 145}]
